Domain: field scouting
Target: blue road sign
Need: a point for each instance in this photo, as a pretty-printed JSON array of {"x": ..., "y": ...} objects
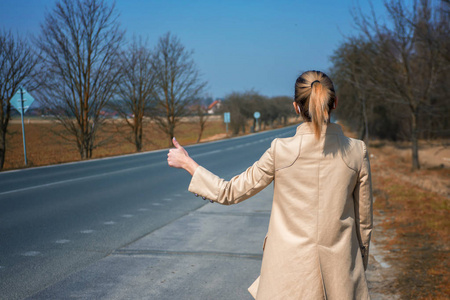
[
  {"x": 226, "y": 117},
  {"x": 21, "y": 95},
  {"x": 21, "y": 101}
]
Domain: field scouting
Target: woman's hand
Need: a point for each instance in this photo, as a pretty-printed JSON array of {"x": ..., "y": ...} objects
[{"x": 179, "y": 158}]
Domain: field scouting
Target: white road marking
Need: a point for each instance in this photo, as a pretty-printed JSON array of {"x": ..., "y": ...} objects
[
  {"x": 31, "y": 253},
  {"x": 207, "y": 153},
  {"x": 80, "y": 178},
  {"x": 109, "y": 223},
  {"x": 156, "y": 204},
  {"x": 134, "y": 168},
  {"x": 167, "y": 199},
  {"x": 178, "y": 195},
  {"x": 87, "y": 231},
  {"x": 62, "y": 241},
  {"x": 142, "y": 209},
  {"x": 127, "y": 216},
  {"x": 96, "y": 159}
]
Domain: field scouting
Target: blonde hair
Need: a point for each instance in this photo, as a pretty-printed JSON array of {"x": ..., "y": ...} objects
[{"x": 315, "y": 96}]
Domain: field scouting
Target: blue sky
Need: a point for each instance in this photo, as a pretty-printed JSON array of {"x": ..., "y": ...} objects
[{"x": 238, "y": 45}]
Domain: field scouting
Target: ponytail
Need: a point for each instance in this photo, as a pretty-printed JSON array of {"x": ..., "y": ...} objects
[
  {"x": 318, "y": 110},
  {"x": 315, "y": 96}
]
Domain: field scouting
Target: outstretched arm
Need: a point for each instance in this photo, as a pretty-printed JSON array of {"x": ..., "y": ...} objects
[
  {"x": 214, "y": 188},
  {"x": 179, "y": 158}
]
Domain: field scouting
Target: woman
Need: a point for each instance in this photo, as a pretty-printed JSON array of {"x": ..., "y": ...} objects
[{"x": 317, "y": 245}]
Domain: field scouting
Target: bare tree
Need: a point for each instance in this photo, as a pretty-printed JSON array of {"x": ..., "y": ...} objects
[
  {"x": 409, "y": 56},
  {"x": 178, "y": 83},
  {"x": 135, "y": 90},
  {"x": 80, "y": 43},
  {"x": 282, "y": 105},
  {"x": 201, "y": 111},
  {"x": 17, "y": 63},
  {"x": 236, "y": 103},
  {"x": 242, "y": 106},
  {"x": 352, "y": 66}
]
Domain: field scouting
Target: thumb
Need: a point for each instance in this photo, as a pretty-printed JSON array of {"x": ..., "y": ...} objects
[{"x": 176, "y": 144}]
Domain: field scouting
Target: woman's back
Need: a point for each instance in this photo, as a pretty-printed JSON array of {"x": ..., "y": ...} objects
[{"x": 313, "y": 218}]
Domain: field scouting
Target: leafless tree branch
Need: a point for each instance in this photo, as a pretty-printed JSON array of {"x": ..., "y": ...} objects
[
  {"x": 177, "y": 83},
  {"x": 135, "y": 92},
  {"x": 80, "y": 43}
]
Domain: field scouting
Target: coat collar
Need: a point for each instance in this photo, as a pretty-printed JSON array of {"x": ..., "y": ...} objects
[{"x": 330, "y": 128}]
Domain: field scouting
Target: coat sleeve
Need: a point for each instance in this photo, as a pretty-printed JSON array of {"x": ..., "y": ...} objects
[
  {"x": 240, "y": 187},
  {"x": 363, "y": 206}
]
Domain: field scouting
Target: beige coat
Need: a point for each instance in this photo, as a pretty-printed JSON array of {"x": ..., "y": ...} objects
[{"x": 317, "y": 244}]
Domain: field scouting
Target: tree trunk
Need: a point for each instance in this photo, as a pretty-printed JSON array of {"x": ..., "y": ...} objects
[
  {"x": 139, "y": 138},
  {"x": 137, "y": 130},
  {"x": 414, "y": 141},
  {"x": 366, "y": 122},
  {"x": 81, "y": 142},
  {"x": 2, "y": 148},
  {"x": 200, "y": 133},
  {"x": 84, "y": 151},
  {"x": 361, "y": 129},
  {"x": 86, "y": 148},
  {"x": 81, "y": 149},
  {"x": 4, "y": 121},
  {"x": 362, "y": 133}
]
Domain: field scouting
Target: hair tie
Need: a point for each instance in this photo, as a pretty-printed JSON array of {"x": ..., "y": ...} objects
[{"x": 314, "y": 82}]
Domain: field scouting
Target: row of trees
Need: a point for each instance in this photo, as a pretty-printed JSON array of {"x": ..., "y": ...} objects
[
  {"x": 242, "y": 106},
  {"x": 80, "y": 68},
  {"x": 393, "y": 77}
]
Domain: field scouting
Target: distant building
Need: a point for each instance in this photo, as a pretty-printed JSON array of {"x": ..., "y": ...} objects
[
  {"x": 214, "y": 107},
  {"x": 108, "y": 114}
]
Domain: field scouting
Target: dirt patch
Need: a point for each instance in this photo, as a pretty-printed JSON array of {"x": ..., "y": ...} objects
[
  {"x": 434, "y": 175},
  {"x": 381, "y": 275},
  {"x": 435, "y": 156}
]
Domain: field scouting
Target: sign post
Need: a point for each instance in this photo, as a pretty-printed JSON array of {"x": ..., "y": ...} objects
[
  {"x": 18, "y": 101},
  {"x": 226, "y": 119},
  {"x": 256, "y": 115}
]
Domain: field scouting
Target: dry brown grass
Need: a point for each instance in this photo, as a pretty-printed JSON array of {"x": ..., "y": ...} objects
[
  {"x": 414, "y": 210},
  {"x": 418, "y": 213},
  {"x": 47, "y": 142}
]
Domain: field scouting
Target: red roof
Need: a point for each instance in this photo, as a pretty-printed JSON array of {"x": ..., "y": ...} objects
[{"x": 213, "y": 104}]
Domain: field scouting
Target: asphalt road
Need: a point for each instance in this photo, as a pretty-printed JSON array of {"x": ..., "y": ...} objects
[{"x": 55, "y": 221}]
